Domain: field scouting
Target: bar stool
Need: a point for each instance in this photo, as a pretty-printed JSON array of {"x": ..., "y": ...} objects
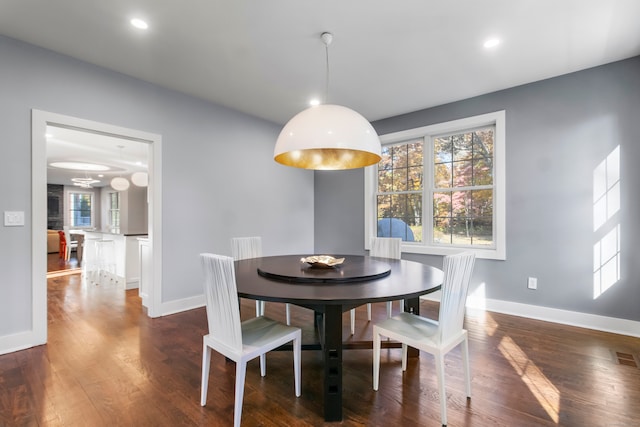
[
  {"x": 106, "y": 254},
  {"x": 99, "y": 260},
  {"x": 90, "y": 262}
]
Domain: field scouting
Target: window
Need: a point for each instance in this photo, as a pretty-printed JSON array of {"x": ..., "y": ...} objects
[
  {"x": 81, "y": 210},
  {"x": 441, "y": 188},
  {"x": 114, "y": 210}
]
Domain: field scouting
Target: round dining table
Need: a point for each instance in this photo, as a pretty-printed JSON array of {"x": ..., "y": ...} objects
[{"x": 332, "y": 290}]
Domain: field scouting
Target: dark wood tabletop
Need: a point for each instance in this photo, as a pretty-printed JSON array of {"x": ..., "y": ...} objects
[{"x": 406, "y": 279}]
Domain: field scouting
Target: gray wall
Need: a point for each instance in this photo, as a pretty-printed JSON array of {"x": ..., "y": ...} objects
[
  {"x": 558, "y": 131},
  {"x": 219, "y": 179}
]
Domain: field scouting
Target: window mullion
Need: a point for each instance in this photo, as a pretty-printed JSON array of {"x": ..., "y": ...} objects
[{"x": 428, "y": 172}]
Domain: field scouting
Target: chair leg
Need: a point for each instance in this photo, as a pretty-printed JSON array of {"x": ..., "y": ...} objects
[
  {"x": 369, "y": 312},
  {"x": 389, "y": 309},
  {"x": 206, "y": 362},
  {"x": 376, "y": 358},
  {"x": 352, "y": 315},
  {"x": 257, "y": 308},
  {"x": 441, "y": 388},
  {"x": 241, "y": 371},
  {"x": 263, "y": 364},
  {"x": 297, "y": 343},
  {"x": 401, "y": 306},
  {"x": 288, "y": 313},
  {"x": 405, "y": 353},
  {"x": 465, "y": 362}
]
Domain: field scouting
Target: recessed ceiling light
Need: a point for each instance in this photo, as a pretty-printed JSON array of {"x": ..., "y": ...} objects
[
  {"x": 79, "y": 166},
  {"x": 314, "y": 102},
  {"x": 493, "y": 42},
  {"x": 139, "y": 23}
]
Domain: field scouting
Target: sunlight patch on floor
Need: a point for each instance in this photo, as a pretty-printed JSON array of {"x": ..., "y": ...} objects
[{"x": 543, "y": 390}]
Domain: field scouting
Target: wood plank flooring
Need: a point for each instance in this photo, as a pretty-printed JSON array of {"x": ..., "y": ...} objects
[{"x": 108, "y": 364}]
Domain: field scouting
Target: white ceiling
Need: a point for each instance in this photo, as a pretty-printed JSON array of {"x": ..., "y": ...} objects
[
  {"x": 122, "y": 156},
  {"x": 266, "y": 58}
]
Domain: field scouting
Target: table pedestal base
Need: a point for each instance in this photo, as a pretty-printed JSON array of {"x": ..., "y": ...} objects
[{"x": 328, "y": 321}]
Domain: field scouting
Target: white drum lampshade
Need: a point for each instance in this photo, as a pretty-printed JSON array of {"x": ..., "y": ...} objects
[
  {"x": 119, "y": 184},
  {"x": 328, "y": 137},
  {"x": 140, "y": 179}
]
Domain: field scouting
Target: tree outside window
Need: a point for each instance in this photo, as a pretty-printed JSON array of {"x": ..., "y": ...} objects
[{"x": 462, "y": 193}]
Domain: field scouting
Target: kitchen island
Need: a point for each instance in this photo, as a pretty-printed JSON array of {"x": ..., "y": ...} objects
[{"x": 127, "y": 265}]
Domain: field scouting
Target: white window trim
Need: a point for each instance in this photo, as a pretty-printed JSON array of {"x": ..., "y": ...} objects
[
  {"x": 93, "y": 208},
  {"x": 497, "y": 119}
]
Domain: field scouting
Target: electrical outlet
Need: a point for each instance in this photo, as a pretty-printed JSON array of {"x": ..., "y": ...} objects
[{"x": 532, "y": 283}]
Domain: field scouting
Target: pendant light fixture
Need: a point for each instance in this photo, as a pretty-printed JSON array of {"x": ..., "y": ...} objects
[
  {"x": 84, "y": 182},
  {"x": 119, "y": 183},
  {"x": 141, "y": 179},
  {"x": 328, "y": 137}
]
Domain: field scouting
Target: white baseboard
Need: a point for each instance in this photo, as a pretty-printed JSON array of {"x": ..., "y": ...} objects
[
  {"x": 19, "y": 341},
  {"x": 132, "y": 283},
  {"x": 555, "y": 315},
  {"x": 177, "y": 306}
]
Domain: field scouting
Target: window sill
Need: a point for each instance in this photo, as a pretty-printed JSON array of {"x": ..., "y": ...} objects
[{"x": 439, "y": 250}]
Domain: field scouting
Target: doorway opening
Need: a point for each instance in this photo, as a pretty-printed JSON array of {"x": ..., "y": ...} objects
[{"x": 40, "y": 121}]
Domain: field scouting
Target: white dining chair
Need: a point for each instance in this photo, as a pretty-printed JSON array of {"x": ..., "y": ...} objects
[
  {"x": 71, "y": 244},
  {"x": 382, "y": 247},
  {"x": 236, "y": 340},
  {"x": 434, "y": 337},
  {"x": 251, "y": 247}
]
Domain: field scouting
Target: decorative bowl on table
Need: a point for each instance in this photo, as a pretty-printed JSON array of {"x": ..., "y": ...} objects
[{"x": 322, "y": 261}]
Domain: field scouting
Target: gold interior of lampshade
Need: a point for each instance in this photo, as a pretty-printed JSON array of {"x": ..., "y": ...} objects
[{"x": 327, "y": 158}]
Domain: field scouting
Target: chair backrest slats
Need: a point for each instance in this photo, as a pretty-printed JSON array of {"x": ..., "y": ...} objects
[
  {"x": 457, "y": 275},
  {"x": 386, "y": 247},
  {"x": 246, "y": 247},
  {"x": 223, "y": 312}
]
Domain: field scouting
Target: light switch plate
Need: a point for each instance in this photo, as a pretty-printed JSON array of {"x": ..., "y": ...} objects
[{"x": 13, "y": 218}]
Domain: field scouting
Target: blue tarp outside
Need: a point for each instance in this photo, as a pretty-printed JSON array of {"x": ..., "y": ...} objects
[{"x": 394, "y": 227}]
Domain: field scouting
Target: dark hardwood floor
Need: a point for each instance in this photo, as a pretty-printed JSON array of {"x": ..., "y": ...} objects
[
  {"x": 57, "y": 264},
  {"x": 107, "y": 364}
]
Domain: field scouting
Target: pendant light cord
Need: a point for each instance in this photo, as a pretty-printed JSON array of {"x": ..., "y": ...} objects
[
  {"x": 327, "y": 38},
  {"x": 326, "y": 90}
]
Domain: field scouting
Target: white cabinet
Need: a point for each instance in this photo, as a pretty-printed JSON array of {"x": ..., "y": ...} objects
[{"x": 144, "y": 263}]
